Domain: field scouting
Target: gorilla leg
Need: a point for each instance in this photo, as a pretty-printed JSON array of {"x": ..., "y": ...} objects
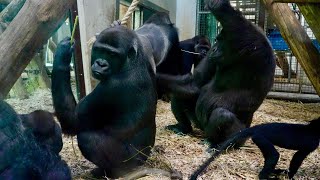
[
  {"x": 297, "y": 159},
  {"x": 183, "y": 111},
  {"x": 109, "y": 154},
  {"x": 270, "y": 155},
  {"x": 221, "y": 124}
]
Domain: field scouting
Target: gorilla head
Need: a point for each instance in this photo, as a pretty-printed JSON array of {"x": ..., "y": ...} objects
[{"x": 114, "y": 51}]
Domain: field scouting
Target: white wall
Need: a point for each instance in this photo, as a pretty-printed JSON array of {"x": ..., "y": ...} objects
[{"x": 186, "y": 18}]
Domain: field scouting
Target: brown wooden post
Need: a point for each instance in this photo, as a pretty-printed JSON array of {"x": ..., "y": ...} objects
[
  {"x": 298, "y": 40},
  {"x": 26, "y": 34},
  {"x": 78, "y": 55}
]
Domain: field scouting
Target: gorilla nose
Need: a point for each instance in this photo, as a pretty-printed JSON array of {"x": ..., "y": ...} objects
[
  {"x": 100, "y": 68},
  {"x": 102, "y": 63}
]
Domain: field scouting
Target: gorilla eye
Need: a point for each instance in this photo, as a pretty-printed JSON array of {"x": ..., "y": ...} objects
[{"x": 112, "y": 53}]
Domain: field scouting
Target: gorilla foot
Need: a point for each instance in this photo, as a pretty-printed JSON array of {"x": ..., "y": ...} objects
[{"x": 180, "y": 129}]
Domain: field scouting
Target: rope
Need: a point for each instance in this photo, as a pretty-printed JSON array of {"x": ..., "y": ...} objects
[
  {"x": 131, "y": 9},
  {"x": 190, "y": 52}
]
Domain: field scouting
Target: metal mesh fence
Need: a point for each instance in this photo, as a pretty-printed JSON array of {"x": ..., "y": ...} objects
[{"x": 289, "y": 75}]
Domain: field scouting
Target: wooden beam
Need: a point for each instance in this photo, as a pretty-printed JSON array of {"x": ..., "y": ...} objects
[
  {"x": 298, "y": 40},
  {"x": 296, "y": 1},
  {"x": 26, "y": 34},
  {"x": 311, "y": 13},
  {"x": 11, "y": 11}
]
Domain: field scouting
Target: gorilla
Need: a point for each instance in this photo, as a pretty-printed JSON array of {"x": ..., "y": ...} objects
[
  {"x": 44, "y": 128},
  {"x": 23, "y": 154},
  {"x": 115, "y": 123},
  {"x": 229, "y": 84},
  {"x": 193, "y": 51}
]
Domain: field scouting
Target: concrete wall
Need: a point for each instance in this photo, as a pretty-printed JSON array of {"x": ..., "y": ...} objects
[
  {"x": 186, "y": 18},
  {"x": 169, "y": 5}
]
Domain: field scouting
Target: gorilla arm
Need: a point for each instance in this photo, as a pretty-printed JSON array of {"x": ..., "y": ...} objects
[{"x": 63, "y": 99}]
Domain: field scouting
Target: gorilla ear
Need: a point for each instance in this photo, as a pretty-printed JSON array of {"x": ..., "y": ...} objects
[{"x": 133, "y": 50}]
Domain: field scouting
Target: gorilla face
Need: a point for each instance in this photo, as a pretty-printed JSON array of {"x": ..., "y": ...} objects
[
  {"x": 112, "y": 52},
  {"x": 202, "y": 46}
]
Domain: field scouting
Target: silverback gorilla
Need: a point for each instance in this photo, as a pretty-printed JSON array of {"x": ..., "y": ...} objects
[
  {"x": 193, "y": 51},
  {"x": 115, "y": 123},
  {"x": 24, "y": 152},
  {"x": 228, "y": 85}
]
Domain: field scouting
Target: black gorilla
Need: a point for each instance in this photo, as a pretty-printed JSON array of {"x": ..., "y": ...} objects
[
  {"x": 193, "y": 51},
  {"x": 22, "y": 156},
  {"x": 45, "y": 130},
  {"x": 115, "y": 124},
  {"x": 300, "y": 137},
  {"x": 230, "y": 83}
]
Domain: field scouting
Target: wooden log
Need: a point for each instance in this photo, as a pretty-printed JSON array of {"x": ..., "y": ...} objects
[
  {"x": 29, "y": 30},
  {"x": 298, "y": 40},
  {"x": 296, "y": 1},
  {"x": 5, "y": 2},
  {"x": 311, "y": 12},
  {"x": 11, "y": 11}
]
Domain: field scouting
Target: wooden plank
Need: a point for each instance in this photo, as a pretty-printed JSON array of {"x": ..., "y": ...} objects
[
  {"x": 26, "y": 34},
  {"x": 311, "y": 12},
  {"x": 298, "y": 40}
]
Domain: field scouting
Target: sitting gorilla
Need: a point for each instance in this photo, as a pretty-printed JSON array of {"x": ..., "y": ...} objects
[
  {"x": 23, "y": 155},
  {"x": 115, "y": 123},
  {"x": 229, "y": 85},
  {"x": 193, "y": 51}
]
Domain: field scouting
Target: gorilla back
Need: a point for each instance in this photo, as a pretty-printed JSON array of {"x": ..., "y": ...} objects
[
  {"x": 115, "y": 123},
  {"x": 231, "y": 82}
]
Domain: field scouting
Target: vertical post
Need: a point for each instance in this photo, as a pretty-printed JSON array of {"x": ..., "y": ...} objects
[
  {"x": 262, "y": 14},
  {"x": 78, "y": 55}
]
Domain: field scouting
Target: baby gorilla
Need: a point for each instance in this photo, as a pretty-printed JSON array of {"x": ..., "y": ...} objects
[
  {"x": 45, "y": 130},
  {"x": 303, "y": 138},
  {"x": 22, "y": 154}
]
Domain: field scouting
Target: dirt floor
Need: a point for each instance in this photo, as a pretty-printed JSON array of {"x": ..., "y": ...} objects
[{"x": 186, "y": 153}]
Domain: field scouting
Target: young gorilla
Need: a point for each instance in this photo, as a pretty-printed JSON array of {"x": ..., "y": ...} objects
[
  {"x": 229, "y": 84},
  {"x": 193, "y": 51},
  {"x": 45, "y": 130},
  {"x": 303, "y": 138},
  {"x": 115, "y": 124},
  {"x": 22, "y": 156}
]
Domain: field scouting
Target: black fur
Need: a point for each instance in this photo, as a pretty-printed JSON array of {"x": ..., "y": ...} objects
[
  {"x": 229, "y": 84},
  {"x": 117, "y": 119},
  {"x": 303, "y": 138},
  {"x": 22, "y": 156}
]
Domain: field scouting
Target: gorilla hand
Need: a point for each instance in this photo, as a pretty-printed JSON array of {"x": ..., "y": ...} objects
[{"x": 64, "y": 53}]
